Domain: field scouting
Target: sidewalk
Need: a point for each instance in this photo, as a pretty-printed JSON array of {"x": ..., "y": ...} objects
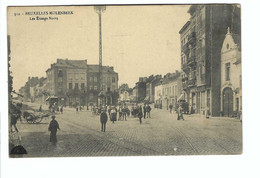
[{"x": 198, "y": 116}]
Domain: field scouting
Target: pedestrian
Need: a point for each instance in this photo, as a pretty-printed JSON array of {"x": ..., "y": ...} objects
[
  {"x": 113, "y": 115},
  {"x": 120, "y": 113},
  {"x": 103, "y": 120},
  {"x": 61, "y": 109},
  {"x": 53, "y": 127},
  {"x": 53, "y": 109},
  {"x": 180, "y": 114},
  {"x": 144, "y": 108},
  {"x": 148, "y": 111},
  {"x": 140, "y": 114},
  {"x": 124, "y": 111},
  {"x": 170, "y": 106},
  {"x": 40, "y": 109},
  {"x": 109, "y": 110},
  {"x": 77, "y": 109}
]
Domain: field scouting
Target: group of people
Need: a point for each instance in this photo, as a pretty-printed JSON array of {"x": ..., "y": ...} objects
[
  {"x": 123, "y": 112},
  {"x": 54, "y": 108},
  {"x": 179, "y": 110}
]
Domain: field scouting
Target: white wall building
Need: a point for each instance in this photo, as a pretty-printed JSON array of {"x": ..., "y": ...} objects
[{"x": 231, "y": 75}]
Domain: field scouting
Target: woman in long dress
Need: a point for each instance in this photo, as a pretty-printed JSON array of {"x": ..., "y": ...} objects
[
  {"x": 53, "y": 127},
  {"x": 113, "y": 115}
]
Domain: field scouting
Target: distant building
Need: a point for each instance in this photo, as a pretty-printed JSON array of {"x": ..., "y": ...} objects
[
  {"x": 151, "y": 82},
  {"x": 109, "y": 84},
  {"x": 133, "y": 97},
  {"x": 141, "y": 89},
  {"x": 67, "y": 79},
  {"x": 231, "y": 77},
  {"x": 201, "y": 42},
  {"x": 75, "y": 82},
  {"x": 168, "y": 90},
  {"x": 158, "y": 98}
]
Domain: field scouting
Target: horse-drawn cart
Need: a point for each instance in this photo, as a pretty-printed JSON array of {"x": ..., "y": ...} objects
[{"x": 34, "y": 117}]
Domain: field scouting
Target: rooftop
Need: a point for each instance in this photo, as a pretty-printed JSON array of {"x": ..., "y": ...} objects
[{"x": 95, "y": 68}]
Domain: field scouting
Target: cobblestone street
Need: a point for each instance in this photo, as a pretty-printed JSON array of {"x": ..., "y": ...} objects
[{"x": 163, "y": 134}]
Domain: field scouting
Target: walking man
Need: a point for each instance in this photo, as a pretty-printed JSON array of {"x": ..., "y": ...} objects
[
  {"x": 103, "y": 120},
  {"x": 53, "y": 127},
  {"x": 144, "y": 111},
  {"x": 148, "y": 110},
  {"x": 140, "y": 114},
  {"x": 171, "y": 106}
]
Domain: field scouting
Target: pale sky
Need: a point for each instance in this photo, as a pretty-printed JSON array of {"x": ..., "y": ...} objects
[{"x": 137, "y": 40}]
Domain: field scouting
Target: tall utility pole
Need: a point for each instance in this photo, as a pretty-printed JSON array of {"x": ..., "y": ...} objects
[{"x": 99, "y": 10}]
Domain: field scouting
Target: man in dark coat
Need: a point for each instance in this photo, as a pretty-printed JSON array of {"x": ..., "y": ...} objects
[
  {"x": 148, "y": 110},
  {"x": 140, "y": 114},
  {"x": 103, "y": 120},
  {"x": 144, "y": 109},
  {"x": 54, "y": 125}
]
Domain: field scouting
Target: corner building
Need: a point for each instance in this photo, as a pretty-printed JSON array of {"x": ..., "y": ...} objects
[
  {"x": 75, "y": 82},
  {"x": 201, "y": 42}
]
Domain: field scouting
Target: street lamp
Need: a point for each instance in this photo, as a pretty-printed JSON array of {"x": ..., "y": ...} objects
[{"x": 99, "y": 10}]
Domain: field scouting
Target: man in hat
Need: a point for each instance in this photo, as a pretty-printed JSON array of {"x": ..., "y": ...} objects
[
  {"x": 53, "y": 127},
  {"x": 103, "y": 119}
]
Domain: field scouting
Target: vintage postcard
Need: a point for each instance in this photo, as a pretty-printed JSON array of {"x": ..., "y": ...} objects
[{"x": 139, "y": 80}]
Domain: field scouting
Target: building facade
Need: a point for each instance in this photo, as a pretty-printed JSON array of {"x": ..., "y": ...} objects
[
  {"x": 66, "y": 79},
  {"x": 168, "y": 90},
  {"x": 75, "y": 82},
  {"x": 109, "y": 87},
  {"x": 141, "y": 89},
  {"x": 201, "y": 42},
  {"x": 152, "y": 81},
  {"x": 231, "y": 77}
]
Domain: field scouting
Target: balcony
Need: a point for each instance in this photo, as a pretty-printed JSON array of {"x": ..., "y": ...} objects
[
  {"x": 191, "y": 82},
  {"x": 203, "y": 78},
  {"x": 185, "y": 49},
  {"x": 185, "y": 67},
  {"x": 184, "y": 86},
  {"x": 191, "y": 61},
  {"x": 192, "y": 39}
]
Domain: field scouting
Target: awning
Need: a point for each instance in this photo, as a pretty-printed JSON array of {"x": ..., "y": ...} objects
[
  {"x": 47, "y": 99},
  {"x": 147, "y": 98},
  {"x": 181, "y": 97},
  {"x": 101, "y": 94}
]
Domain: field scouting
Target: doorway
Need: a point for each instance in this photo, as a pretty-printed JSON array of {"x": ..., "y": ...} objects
[{"x": 227, "y": 102}]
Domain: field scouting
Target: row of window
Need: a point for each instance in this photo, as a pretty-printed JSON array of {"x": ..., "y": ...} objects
[
  {"x": 91, "y": 87},
  {"x": 94, "y": 79},
  {"x": 76, "y": 76},
  {"x": 76, "y": 86},
  {"x": 169, "y": 91}
]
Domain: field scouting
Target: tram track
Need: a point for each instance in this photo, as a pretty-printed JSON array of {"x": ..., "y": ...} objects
[{"x": 125, "y": 144}]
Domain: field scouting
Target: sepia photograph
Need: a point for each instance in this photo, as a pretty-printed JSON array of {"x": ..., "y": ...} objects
[{"x": 124, "y": 80}]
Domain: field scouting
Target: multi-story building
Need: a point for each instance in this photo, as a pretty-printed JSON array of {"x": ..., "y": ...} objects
[
  {"x": 141, "y": 89},
  {"x": 168, "y": 90},
  {"x": 158, "y": 95},
  {"x": 150, "y": 86},
  {"x": 109, "y": 85},
  {"x": 171, "y": 89},
  {"x": 133, "y": 97},
  {"x": 66, "y": 79},
  {"x": 201, "y": 42},
  {"x": 75, "y": 82},
  {"x": 231, "y": 78}
]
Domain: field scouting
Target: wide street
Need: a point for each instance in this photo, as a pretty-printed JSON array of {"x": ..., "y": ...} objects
[{"x": 162, "y": 134}]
